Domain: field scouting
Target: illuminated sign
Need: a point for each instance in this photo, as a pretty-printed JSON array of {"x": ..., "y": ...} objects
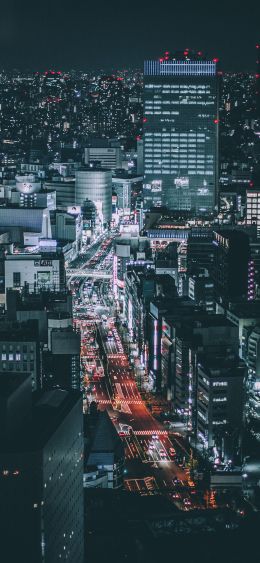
[
  {"x": 43, "y": 277},
  {"x": 182, "y": 182},
  {"x": 74, "y": 209},
  {"x": 203, "y": 191},
  {"x": 43, "y": 262},
  {"x": 156, "y": 186}
]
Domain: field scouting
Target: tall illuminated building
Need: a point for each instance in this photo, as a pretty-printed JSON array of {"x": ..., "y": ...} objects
[
  {"x": 112, "y": 105},
  {"x": 181, "y": 132}
]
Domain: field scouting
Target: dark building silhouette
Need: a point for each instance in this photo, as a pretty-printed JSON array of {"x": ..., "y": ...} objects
[
  {"x": 41, "y": 470},
  {"x": 104, "y": 448},
  {"x": 231, "y": 264}
]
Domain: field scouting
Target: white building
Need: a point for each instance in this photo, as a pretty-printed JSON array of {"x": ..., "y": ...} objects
[
  {"x": 34, "y": 223},
  {"x": 45, "y": 270},
  {"x": 106, "y": 155},
  {"x": 253, "y": 208},
  {"x": 95, "y": 184}
]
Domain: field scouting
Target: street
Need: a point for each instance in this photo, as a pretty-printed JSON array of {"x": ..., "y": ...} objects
[{"x": 151, "y": 452}]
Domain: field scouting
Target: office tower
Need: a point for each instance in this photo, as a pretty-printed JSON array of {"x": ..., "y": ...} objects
[
  {"x": 220, "y": 405},
  {"x": 106, "y": 152},
  {"x": 160, "y": 307},
  {"x": 95, "y": 184},
  {"x": 124, "y": 185},
  {"x": 112, "y": 106},
  {"x": 231, "y": 274},
  {"x": 20, "y": 349},
  {"x": 61, "y": 362},
  {"x": 65, "y": 191},
  {"x": 181, "y": 132},
  {"x": 140, "y": 287},
  {"x": 200, "y": 252},
  {"x": 201, "y": 289},
  {"x": 253, "y": 355},
  {"x": 213, "y": 335},
  {"x": 41, "y": 481},
  {"x": 253, "y": 208},
  {"x": 140, "y": 156}
]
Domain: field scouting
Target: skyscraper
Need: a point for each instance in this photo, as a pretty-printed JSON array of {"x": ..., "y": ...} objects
[
  {"x": 232, "y": 275},
  {"x": 181, "y": 132},
  {"x": 41, "y": 475}
]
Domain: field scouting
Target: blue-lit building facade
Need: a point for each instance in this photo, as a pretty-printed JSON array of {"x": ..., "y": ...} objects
[{"x": 181, "y": 132}]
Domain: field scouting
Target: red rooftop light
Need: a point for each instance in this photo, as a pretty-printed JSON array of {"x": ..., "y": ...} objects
[
  {"x": 215, "y": 60},
  {"x": 144, "y": 119},
  {"x": 216, "y": 121}
]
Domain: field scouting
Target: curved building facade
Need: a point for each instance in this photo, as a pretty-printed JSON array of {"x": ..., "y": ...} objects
[
  {"x": 27, "y": 184},
  {"x": 95, "y": 184}
]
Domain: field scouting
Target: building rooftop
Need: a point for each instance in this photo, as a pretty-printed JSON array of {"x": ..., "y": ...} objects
[
  {"x": 10, "y": 381},
  {"x": 219, "y": 366},
  {"x": 15, "y": 331},
  {"x": 41, "y": 420},
  {"x": 245, "y": 310},
  {"x": 105, "y": 445}
]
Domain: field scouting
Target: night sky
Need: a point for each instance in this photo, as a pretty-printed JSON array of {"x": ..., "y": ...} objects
[{"x": 87, "y": 34}]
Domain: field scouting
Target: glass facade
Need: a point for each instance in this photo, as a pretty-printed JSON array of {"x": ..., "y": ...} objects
[
  {"x": 180, "y": 135},
  {"x": 96, "y": 185}
]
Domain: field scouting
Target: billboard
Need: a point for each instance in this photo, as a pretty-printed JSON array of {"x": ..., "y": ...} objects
[
  {"x": 182, "y": 182},
  {"x": 74, "y": 209},
  {"x": 43, "y": 278}
]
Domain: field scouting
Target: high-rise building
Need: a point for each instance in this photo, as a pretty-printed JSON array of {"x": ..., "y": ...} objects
[
  {"x": 220, "y": 405},
  {"x": 181, "y": 132},
  {"x": 20, "y": 349},
  {"x": 95, "y": 184},
  {"x": 232, "y": 274},
  {"x": 65, "y": 191},
  {"x": 61, "y": 362},
  {"x": 107, "y": 152},
  {"x": 112, "y": 107},
  {"x": 124, "y": 185},
  {"x": 41, "y": 474},
  {"x": 253, "y": 208}
]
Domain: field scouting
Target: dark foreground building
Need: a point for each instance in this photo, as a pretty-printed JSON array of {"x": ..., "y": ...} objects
[{"x": 41, "y": 472}]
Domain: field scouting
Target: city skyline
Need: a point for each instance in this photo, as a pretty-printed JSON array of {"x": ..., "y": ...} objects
[
  {"x": 68, "y": 36},
  {"x": 129, "y": 282}
]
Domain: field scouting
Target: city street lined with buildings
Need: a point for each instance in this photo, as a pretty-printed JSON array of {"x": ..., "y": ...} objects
[{"x": 150, "y": 450}]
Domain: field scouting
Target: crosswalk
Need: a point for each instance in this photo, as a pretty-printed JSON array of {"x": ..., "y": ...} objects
[{"x": 150, "y": 432}]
